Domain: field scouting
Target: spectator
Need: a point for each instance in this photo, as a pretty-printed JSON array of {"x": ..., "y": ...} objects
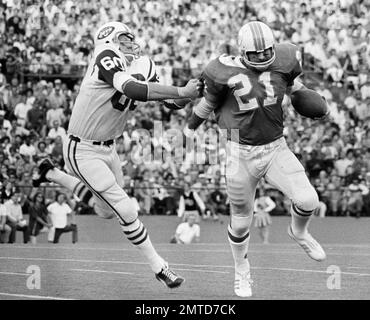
[
  {"x": 56, "y": 97},
  {"x": 56, "y": 113},
  {"x": 57, "y": 131},
  {"x": 59, "y": 210},
  {"x": 39, "y": 220},
  {"x": 217, "y": 201},
  {"x": 187, "y": 232},
  {"x": 190, "y": 203},
  {"x": 15, "y": 218},
  {"x": 27, "y": 148},
  {"x": 35, "y": 119},
  {"x": 21, "y": 110},
  {"x": 4, "y": 228}
]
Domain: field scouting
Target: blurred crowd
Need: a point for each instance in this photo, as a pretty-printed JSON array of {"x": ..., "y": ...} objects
[{"x": 45, "y": 46}]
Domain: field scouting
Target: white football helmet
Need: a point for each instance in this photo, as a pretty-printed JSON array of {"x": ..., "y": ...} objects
[
  {"x": 256, "y": 37},
  {"x": 119, "y": 35}
]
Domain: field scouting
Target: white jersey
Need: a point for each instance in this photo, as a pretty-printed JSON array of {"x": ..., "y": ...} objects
[{"x": 101, "y": 109}]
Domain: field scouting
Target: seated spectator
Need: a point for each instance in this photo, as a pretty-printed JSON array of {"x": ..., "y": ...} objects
[
  {"x": 59, "y": 210},
  {"x": 355, "y": 201},
  {"x": 21, "y": 110},
  {"x": 56, "y": 113},
  {"x": 7, "y": 190},
  {"x": 39, "y": 220},
  {"x": 4, "y": 228},
  {"x": 27, "y": 147},
  {"x": 187, "y": 232},
  {"x": 36, "y": 117},
  {"x": 217, "y": 201},
  {"x": 334, "y": 195},
  {"x": 41, "y": 151},
  {"x": 190, "y": 203},
  {"x": 162, "y": 200},
  {"x": 15, "y": 218},
  {"x": 56, "y": 131}
]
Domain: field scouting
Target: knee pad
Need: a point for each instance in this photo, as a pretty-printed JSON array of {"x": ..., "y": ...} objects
[
  {"x": 105, "y": 214},
  {"x": 240, "y": 224},
  {"x": 127, "y": 209},
  {"x": 307, "y": 200},
  {"x": 101, "y": 208}
]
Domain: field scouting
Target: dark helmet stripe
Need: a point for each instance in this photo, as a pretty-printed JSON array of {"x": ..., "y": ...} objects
[
  {"x": 259, "y": 28},
  {"x": 257, "y": 36},
  {"x": 254, "y": 35}
]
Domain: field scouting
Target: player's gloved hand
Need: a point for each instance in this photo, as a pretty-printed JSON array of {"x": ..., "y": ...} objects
[{"x": 190, "y": 90}]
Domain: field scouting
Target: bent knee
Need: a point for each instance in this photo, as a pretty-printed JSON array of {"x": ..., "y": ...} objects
[
  {"x": 104, "y": 215},
  {"x": 127, "y": 209},
  {"x": 307, "y": 200}
]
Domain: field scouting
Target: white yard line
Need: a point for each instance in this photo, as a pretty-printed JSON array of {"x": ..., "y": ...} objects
[
  {"x": 14, "y": 273},
  {"x": 199, "y": 270},
  {"x": 178, "y": 264},
  {"x": 129, "y": 273},
  {"x": 102, "y": 271},
  {"x": 32, "y": 296},
  {"x": 281, "y": 251}
]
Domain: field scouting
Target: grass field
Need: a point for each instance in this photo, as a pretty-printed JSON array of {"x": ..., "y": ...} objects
[{"x": 103, "y": 265}]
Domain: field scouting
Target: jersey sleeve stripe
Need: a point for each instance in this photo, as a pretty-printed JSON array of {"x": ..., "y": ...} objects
[
  {"x": 119, "y": 79},
  {"x": 150, "y": 68}
]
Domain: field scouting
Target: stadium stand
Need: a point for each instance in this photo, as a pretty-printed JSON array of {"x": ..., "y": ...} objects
[{"x": 45, "y": 47}]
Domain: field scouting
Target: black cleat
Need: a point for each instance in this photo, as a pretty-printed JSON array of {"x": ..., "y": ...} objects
[
  {"x": 44, "y": 166},
  {"x": 169, "y": 278}
]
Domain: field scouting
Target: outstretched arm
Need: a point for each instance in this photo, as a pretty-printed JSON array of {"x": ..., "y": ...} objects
[
  {"x": 149, "y": 91},
  {"x": 111, "y": 70}
]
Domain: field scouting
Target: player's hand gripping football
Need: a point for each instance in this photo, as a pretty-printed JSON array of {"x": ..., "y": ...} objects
[{"x": 192, "y": 90}]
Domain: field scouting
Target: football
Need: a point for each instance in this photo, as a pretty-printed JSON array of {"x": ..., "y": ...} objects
[{"x": 309, "y": 103}]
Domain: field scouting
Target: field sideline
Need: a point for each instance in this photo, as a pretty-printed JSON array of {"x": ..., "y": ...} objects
[{"x": 103, "y": 265}]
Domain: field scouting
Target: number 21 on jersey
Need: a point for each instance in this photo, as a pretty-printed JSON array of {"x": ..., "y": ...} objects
[{"x": 243, "y": 86}]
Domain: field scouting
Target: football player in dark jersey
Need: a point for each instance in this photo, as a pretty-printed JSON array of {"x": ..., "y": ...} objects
[{"x": 245, "y": 92}]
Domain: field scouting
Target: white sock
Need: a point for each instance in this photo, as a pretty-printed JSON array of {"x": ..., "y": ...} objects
[
  {"x": 62, "y": 178},
  {"x": 300, "y": 221},
  {"x": 239, "y": 248},
  {"x": 138, "y": 235}
]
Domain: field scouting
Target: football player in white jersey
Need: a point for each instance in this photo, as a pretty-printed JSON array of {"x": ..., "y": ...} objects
[{"x": 107, "y": 94}]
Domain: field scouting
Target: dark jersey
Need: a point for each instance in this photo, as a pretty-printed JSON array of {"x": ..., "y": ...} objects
[
  {"x": 190, "y": 203},
  {"x": 249, "y": 100}
]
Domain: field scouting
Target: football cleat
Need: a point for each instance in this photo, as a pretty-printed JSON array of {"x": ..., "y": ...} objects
[
  {"x": 243, "y": 284},
  {"x": 169, "y": 278},
  {"x": 44, "y": 166},
  {"x": 309, "y": 245}
]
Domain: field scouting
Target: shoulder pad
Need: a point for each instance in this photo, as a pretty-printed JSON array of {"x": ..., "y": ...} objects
[
  {"x": 287, "y": 57},
  {"x": 222, "y": 68},
  {"x": 145, "y": 67},
  {"x": 109, "y": 53}
]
